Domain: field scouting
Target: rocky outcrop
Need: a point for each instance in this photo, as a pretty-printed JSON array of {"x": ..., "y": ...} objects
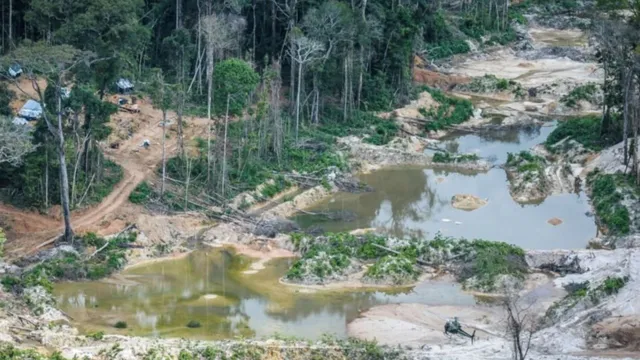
[{"x": 467, "y": 202}]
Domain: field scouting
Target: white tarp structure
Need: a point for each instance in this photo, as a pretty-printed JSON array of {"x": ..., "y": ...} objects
[
  {"x": 15, "y": 70},
  {"x": 31, "y": 110},
  {"x": 19, "y": 121},
  {"x": 124, "y": 85}
]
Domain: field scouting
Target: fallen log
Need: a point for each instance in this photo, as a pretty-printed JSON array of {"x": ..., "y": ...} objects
[{"x": 398, "y": 253}]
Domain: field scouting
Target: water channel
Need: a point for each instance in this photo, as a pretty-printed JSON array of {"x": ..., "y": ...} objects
[{"x": 210, "y": 286}]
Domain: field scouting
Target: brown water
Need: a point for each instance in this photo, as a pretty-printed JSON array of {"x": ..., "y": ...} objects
[
  {"x": 159, "y": 299},
  {"x": 417, "y": 201}
]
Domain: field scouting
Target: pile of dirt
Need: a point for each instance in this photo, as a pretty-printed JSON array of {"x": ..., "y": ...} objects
[
  {"x": 437, "y": 79},
  {"x": 467, "y": 202},
  {"x": 554, "y": 221},
  {"x": 368, "y": 157},
  {"x": 616, "y": 333}
]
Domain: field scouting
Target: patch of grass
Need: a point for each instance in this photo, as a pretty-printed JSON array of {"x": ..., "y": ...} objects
[
  {"x": 10, "y": 352},
  {"x": 98, "y": 335},
  {"x": 444, "y": 49},
  {"x": 278, "y": 185},
  {"x": 582, "y": 92},
  {"x": 193, "y": 324},
  {"x": 374, "y": 129},
  {"x": 111, "y": 176},
  {"x": 585, "y": 130},
  {"x": 607, "y": 201},
  {"x": 120, "y": 325},
  {"x": 446, "y": 157},
  {"x": 140, "y": 195},
  {"x": 451, "y": 111}
]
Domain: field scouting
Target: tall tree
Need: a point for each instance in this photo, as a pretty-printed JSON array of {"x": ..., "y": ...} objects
[
  {"x": 162, "y": 99},
  {"x": 54, "y": 64},
  {"x": 305, "y": 51}
]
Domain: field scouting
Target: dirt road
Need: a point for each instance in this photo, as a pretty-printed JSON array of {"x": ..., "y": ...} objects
[{"x": 27, "y": 230}]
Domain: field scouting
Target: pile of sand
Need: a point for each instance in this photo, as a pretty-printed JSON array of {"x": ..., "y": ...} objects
[{"x": 467, "y": 202}]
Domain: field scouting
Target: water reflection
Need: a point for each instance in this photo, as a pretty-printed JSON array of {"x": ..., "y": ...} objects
[
  {"x": 417, "y": 201},
  {"x": 496, "y": 144},
  {"x": 210, "y": 287}
]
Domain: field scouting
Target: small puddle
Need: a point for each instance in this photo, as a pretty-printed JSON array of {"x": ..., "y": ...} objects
[
  {"x": 417, "y": 201},
  {"x": 210, "y": 287}
]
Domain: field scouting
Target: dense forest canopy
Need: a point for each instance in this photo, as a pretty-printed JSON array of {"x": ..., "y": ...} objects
[{"x": 292, "y": 69}]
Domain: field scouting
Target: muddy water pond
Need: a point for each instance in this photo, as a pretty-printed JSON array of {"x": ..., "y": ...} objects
[
  {"x": 417, "y": 201},
  {"x": 210, "y": 286}
]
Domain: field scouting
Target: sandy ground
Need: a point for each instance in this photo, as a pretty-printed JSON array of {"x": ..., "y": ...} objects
[{"x": 419, "y": 325}]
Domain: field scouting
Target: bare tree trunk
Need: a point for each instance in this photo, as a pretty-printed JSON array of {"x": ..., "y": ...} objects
[
  {"x": 293, "y": 67},
  {"x": 46, "y": 176},
  {"x": 199, "y": 45},
  {"x": 10, "y": 24},
  {"x": 298, "y": 100},
  {"x": 636, "y": 143},
  {"x": 64, "y": 177},
  {"x": 278, "y": 130},
  {"x": 178, "y": 13},
  {"x": 224, "y": 149},
  {"x": 209, "y": 91},
  {"x": 186, "y": 183},
  {"x": 625, "y": 131},
  {"x": 164, "y": 157}
]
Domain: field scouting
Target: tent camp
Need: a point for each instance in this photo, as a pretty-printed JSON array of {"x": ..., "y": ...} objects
[
  {"x": 19, "y": 121},
  {"x": 125, "y": 86},
  {"x": 15, "y": 70},
  {"x": 31, "y": 110}
]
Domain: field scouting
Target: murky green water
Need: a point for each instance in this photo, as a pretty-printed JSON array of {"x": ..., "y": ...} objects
[
  {"x": 417, "y": 201},
  {"x": 160, "y": 298}
]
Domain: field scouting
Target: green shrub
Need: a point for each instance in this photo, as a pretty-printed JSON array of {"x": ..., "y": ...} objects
[
  {"x": 120, "y": 325},
  {"x": 607, "y": 201},
  {"x": 612, "y": 285},
  {"x": 278, "y": 185},
  {"x": 141, "y": 193},
  {"x": 582, "y": 92},
  {"x": 452, "y": 111},
  {"x": 398, "y": 269},
  {"x": 98, "y": 335},
  {"x": 71, "y": 266},
  {"x": 193, "y": 324},
  {"x": 446, "y": 48},
  {"x": 585, "y": 130}
]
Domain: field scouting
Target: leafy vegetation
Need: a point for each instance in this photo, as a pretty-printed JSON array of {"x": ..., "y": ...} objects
[
  {"x": 395, "y": 269},
  {"x": 582, "y": 92},
  {"x": 273, "y": 188},
  {"x": 607, "y": 197},
  {"x": 141, "y": 193},
  {"x": 491, "y": 83},
  {"x": 8, "y": 351},
  {"x": 98, "y": 335},
  {"x": 73, "y": 265},
  {"x": 446, "y": 157},
  {"x": 585, "y": 130},
  {"x": 193, "y": 324},
  {"x": 451, "y": 111},
  {"x": 585, "y": 292},
  {"x": 120, "y": 325},
  {"x": 481, "y": 262}
]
